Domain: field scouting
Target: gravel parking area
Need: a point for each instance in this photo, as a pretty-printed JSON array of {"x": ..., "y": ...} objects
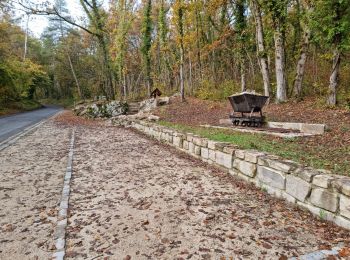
[{"x": 134, "y": 198}]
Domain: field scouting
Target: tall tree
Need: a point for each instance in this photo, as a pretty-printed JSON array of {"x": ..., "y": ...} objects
[
  {"x": 240, "y": 27},
  {"x": 146, "y": 32},
  {"x": 278, "y": 11},
  {"x": 304, "y": 47},
  {"x": 179, "y": 19},
  {"x": 262, "y": 53},
  {"x": 331, "y": 20}
]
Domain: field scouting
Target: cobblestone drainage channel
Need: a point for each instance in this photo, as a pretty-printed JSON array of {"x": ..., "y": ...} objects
[{"x": 60, "y": 233}]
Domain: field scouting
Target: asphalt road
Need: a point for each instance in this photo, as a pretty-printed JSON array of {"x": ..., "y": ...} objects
[{"x": 11, "y": 125}]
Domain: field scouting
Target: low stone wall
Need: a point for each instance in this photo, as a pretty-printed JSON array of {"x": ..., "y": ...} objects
[{"x": 323, "y": 194}]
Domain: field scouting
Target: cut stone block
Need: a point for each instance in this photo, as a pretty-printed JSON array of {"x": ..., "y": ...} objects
[
  {"x": 240, "y": 154},
  {"x": 191, "y": 147},
  {"x": 197, "y": 150},
  {"x": 212, "y": 155},
  {"x": 342, "y": 183},
  {"x": 197, "y": 140},
  {"x": 344, "y": 206},
  {"x": 297, "y": 187},
  {"x": 271, "y": 177},
  {"x": 177, "y": 141},
  {"x": 185, "y": 145},
  {"x": 277, "y": 163},
  {"x": 324, "y": 199},
  {"x": 246, "y": 168},
  {"x": 204, "y": 142},
  {"x": 211, "y": 144},
  {"x": 205, "y": 153},
  {"x": 220, "y": 146},
  {"x": 252, "y": 156},
  {"x": 343, "y": 222},
  {"x": 321, "y": 213},
  {"x": 316, "y": 129},
  {"x": 189, "y": 137},
  {"x": 229, "y": 149},
  {"x": 307, "y": 174},
  {"x": 225, "y": 122},
  {"x": 322, "y": 180},
  {"x": 224, "y": 159}
]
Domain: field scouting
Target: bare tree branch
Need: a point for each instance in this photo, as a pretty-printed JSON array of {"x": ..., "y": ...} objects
[{"x": 55, "y": 12}]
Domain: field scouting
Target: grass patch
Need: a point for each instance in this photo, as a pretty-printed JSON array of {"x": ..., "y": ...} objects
[
  {"x": 19, "y": 106},
  {"x": 290, "y": 148}
]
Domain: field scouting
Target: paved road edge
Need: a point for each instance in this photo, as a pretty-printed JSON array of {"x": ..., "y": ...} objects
[{"x": 13, "y": 139}]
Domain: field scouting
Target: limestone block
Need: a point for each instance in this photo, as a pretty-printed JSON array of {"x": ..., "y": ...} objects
[
  {"x": 246, "y": 168},
  {"x": 212, "y": 155},
  {"x": 277, "y": 163},
  {"x": 185, "y": 145},
  {"x": 189, "y": 137},
  {"x": 229, "y": 149},
  {"x": 297, "y": 187},
  {"x": 289, "y": 198},
  {"x": 211, "y": 144},
  {"x": 219, "y": 146},
  {"x": 252, "y": 156},
  {"x": 204, "y": 142},
  {"x": 344, "y": 205},
  {"x": 271, "y": 177},
  {"x": 343, "y": 222},
  {"x": 342, "y": 183},
  {"x": 322, "y": 180},
  {"x": 197, "y": 140},
  {"x": 205, "y": 153},
  {"x": 307, "y": 174},
  {"x": 240, "y": 154},
  {"x": 177, "y": 141},
  {"x": 197, "y": 150},
  {"x": 225, "y": 121},
  {"x": 170, "y": 138},
  {"x": 324, "y": 199},
  {"x": 191, "y": 147},
  {"x": 317, "y": 129},
  {"x": 321, "y": 213},
  {"x": 224, "y": 159}
]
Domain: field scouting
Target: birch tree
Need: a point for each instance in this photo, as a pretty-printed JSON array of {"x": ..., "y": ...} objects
[
  {"x": 278, "y": 12},
  {"x": 261, "y": 51}
]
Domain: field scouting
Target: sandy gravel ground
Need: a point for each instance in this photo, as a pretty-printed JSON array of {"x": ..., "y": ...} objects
[
  {"x": 133, "y": 198},
  {"x": 31, "y": 177}
]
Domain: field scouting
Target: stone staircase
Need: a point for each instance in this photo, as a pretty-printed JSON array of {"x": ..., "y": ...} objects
[{"x": 134, "y": 108}]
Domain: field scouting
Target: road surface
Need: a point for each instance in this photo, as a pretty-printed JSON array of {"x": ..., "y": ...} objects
[{"x": 11, "y": 125}]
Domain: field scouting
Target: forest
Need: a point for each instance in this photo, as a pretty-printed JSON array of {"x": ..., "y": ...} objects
[{"x": 210, "y": 49}]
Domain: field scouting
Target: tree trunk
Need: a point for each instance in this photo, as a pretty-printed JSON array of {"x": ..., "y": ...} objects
[
  {"x": 298, "y": 81},
  {"x": 281, "y": 81},
  {"x": 264, "y": 66},
  {"x": 333, "y": 79},
  {"x": 182, "y": 83},
  {"x": 243, "y": 78},
  {"x": 75, "y": 77},
  {"x": 26, "y": 39}
]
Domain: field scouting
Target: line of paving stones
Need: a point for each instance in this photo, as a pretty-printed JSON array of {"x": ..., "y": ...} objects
[{"x": 60, "y": 234}]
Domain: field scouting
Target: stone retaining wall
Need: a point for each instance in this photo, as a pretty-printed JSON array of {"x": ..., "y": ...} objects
[{"x": 323, "y": 194}]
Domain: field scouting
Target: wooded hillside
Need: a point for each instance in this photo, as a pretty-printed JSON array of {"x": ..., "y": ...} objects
[{"x": 207, "y": 48}]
